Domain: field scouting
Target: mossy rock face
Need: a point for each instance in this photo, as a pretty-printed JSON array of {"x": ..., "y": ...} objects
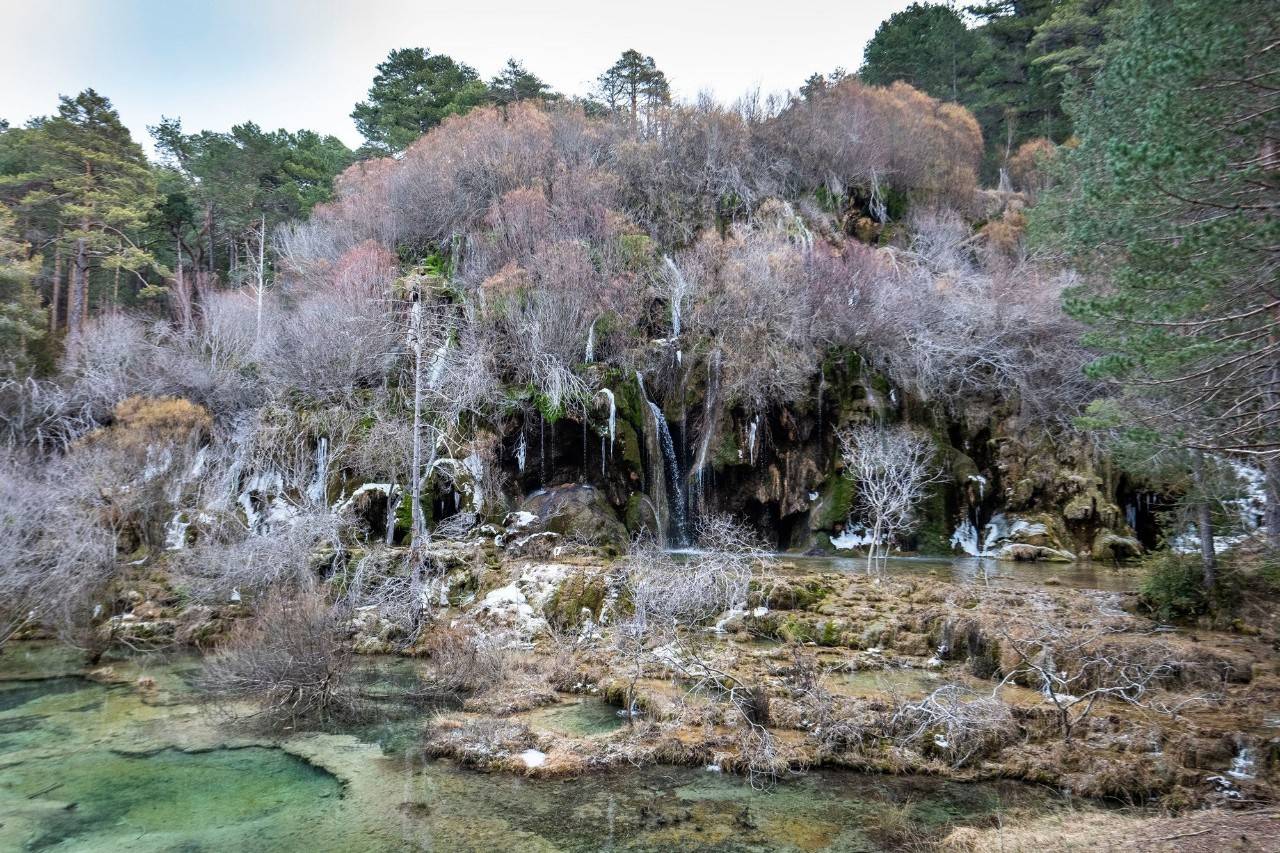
[
  {"x": 579, "y": 596},
  {"x": 804, "y": 595},
  {"x": 639, "y": 515},
  {"x": 1112, "y": 546}
]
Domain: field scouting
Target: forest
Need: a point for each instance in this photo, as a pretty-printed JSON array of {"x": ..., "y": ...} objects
[{"x": 919, "y": 424}]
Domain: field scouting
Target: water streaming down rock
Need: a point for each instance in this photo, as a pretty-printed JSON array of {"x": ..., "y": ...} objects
[
  {"x": 699, "y": 471},
  {"x": 752, "y": 431},
  {"x": 319, "y": 484},
  {"x": 522, "y": 453},
  {"x": 590, "y": 355},
  {"x": 668, "y": 485},
  {"x": 679, "y": 289}
]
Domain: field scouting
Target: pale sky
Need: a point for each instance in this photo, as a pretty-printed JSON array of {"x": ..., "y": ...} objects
[{"x": 305, "y": 63}]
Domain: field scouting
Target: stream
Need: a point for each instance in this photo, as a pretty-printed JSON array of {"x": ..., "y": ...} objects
[{"x": 140, "y": 766}]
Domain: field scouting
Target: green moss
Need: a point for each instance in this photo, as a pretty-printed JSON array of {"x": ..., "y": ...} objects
[
  {"x": 833, "y": 507},
  {"x": 576, "y": 594},
  {"x": 933, "y": 535},
  {"x": 727, "y": 452}
]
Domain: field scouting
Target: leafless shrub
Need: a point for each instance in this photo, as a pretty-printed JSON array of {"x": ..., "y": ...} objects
[
  {"x": 954, "y": 722},
  {"x": 56, "y": 555},
  {"x": 890, "y": 467},
  {"x": 284, "y": 668},
  {"x": 1075, "y": 670},
  {"x": 229, "y": 560},
  {"x": 465, "y": 659}
]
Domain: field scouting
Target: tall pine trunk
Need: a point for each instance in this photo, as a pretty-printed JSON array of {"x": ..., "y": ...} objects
[
  {"x": 55, "y": 298},
  {"x": 78, "y": 293},
  {"x": 1204, "y": 521}
]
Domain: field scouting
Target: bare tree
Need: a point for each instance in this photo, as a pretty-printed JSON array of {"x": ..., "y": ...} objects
[
  {"x": 890, "y": 467},
  {"x": 289, "y": 662}
]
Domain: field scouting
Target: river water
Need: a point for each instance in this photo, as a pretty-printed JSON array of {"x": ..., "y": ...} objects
[{"x": 90, "y": 766}]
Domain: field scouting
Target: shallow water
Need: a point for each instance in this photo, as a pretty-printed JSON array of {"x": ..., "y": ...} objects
[
  {"x": 86, "y": 766},
  {"x": 978, "y": 571}
]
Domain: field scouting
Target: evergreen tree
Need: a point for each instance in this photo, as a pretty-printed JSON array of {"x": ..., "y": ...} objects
[
  {"x": 1169, "y": 206},
  {"x": 1014, "y": 98},
  {"x": 515, "y": 83},
  {"x": 928, "y": 46},
  {"x": 22, "y": 319},
  {"x": 90, "y": 177},
  {"x": 635, "y": 86},
  {"x": 415, "y": 90}
]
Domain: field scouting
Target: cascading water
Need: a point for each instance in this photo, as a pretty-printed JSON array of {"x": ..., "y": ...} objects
[
  {"x": 319, "y": 484},
  {"x": 522, "y": 453},
  {"x": 613, "y": 415},
  {"x": 590, "y": 354},
  {"x": 699, "y": 470},
  {"x": 679, "y": 289},
  {"x": 670, "y": 482},
  {"x": 752, "y": 430}
]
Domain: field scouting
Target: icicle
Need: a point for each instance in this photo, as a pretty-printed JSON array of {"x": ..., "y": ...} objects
[
  {"x": 1005, "y": 186},
  {"x": 316, "y": 491},
  {"x": 591, "y": 343},
  {"x": 751, "y": 439},
  {"x": 522, "y": 453}
]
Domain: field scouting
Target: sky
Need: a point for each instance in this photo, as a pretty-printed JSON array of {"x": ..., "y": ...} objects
[{"x": 305, "y": 63}]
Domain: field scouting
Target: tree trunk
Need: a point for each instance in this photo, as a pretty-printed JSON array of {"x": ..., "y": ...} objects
[
  {"x": 415, "y": 333},
  {"x": 1204, "y": 522},
  {"x": 56, "y": 297},
  {"x": 77, "y": 295}
]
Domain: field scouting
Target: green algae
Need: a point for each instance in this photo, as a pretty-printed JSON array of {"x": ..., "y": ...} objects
[{"x": 136, "y": 765}]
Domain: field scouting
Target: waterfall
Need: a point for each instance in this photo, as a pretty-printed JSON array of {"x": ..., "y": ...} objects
[
  {"x": 708, "y": 426},
  {"x": 751, "y": 439},
  {"x": 437, "y": 364},
  {"x": 522, "y": 453},
  {"x": 175, "y": 533},
  {"x": 670, "y": 480},
  {"x": 591, "y": 343},
  {"x": 613, "y": 415},
  {"x": 822, "y": 384},
  {"x": 679, "y": 288},
  {"x": 1005, "y": 186},
  {"x": 317, "y": 490}
]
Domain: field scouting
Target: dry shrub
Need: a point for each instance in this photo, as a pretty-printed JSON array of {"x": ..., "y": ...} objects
[
  {"x": 287, "y": 667},
  {"x": 464, "y": 659},
  {"x": 1027, "y": 166},
  {"x": 480, "y": 742}
]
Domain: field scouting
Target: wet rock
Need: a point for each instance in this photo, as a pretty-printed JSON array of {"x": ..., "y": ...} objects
[{"x": 579, "y": 513}]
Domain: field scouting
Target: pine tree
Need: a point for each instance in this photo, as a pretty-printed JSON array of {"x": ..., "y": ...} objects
[
  {"x": 1169, "y": 206},
  {"x": 98, "y": 185},
  {"x": 414, "y": 91},
  {"x": 22, "y": 319},
  {"x": 635, "y": 86}
]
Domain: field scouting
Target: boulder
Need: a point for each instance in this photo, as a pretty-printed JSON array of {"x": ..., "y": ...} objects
[
  {"x": 575, "y": 513},
  {"x": 1112, "y": 546}
]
